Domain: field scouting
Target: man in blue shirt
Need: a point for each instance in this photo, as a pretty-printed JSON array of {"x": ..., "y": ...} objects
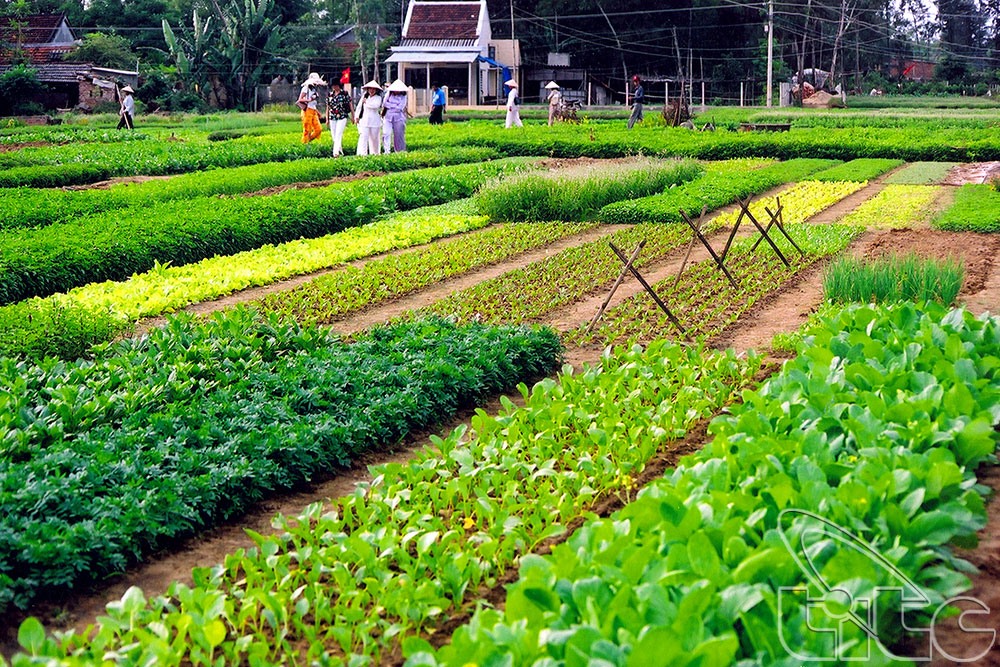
[
  {"x": 638, "y": 99},
  {"x": 437, "y": 106}
]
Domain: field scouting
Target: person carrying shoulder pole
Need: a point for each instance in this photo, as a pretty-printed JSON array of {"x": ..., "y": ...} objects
[
  {"x": 639, "y": 97},
  {"x": 127, "y": 110},
  {"x": 555, "y": 97}
]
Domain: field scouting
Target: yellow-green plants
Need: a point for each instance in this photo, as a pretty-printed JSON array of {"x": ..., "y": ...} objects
[
  {"x": 893, "y": 278},
  {"x": 895, "y": 207}
]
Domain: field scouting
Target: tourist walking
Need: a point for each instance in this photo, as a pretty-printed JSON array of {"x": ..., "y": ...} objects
[
  {"x": 339, "y": 109},
  {"x": 438, "y": 102},
  {"x": 308, "y": 98},
  {"x": 513, "y": 105},
  {"x": 396, "y": 114},
  {"x": 638, "y": 99},
  {"x": 555, "y": 99},
  {"x": 127, "y": 111},
  {"x": 369, "y": 119}
]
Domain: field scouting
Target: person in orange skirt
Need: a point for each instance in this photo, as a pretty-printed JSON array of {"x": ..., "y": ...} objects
[{"x": 311, "y": 128}]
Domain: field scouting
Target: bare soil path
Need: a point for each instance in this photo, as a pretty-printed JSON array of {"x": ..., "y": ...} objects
[{"x": 783, "y": 311}]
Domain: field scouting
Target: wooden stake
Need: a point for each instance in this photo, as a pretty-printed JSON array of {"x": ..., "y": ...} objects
[
  {"x": 614, "y": 288},
  {"x": 642, "y": 281}
]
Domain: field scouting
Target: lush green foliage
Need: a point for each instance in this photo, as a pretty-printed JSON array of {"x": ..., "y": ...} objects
[
  {"x": 711, "y": 191},
  {"x": 386, "y": 563},
  {"x": 61, "y": 134},
  {"x": 578, "y": 193},
  {"x": 30, "y": 207},
  {"x": 895, "y": 207},
  {"x": 332, "y": 296},
  {"x": 103, "y": 462},
  {"x": 976, "y": 209},
  {"x": 921, "y": 173},
  {"x": 862, "y": 169},
  {"x": 694, "y": 571},
  {"x": 799, "y": 202},
  {"x": 108, "y": 246},
  {"x": 66, "y": 325},
  {"x": 893, "y": 278}
]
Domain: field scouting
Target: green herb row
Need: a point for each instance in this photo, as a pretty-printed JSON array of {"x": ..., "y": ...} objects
[
  {"x": 976, "y": 209},
  {"x": 578, "y": 193},
  {"x": 98, "y": 470},
  {"x": 876, "y": 428},
  {"x": 921, "y": 173},
  {"x": 704, "y": 300},
  {"x": 109, "y": 246},
  {"x": 711, "y": 191},
  {"x": 32, "y": 207},
  {"x": 892, "y": 278},
  {"x": 353, "y": 583},
  {"x": 862, "y": 169},
  {"x": 332, "y": 296}
]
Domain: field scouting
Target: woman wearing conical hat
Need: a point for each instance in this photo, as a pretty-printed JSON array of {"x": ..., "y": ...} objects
[
  {"x": 513, "y": 105},
  {"x": 369, "y": 119},
  {"x": 308, "y": 96},
  {"x": 555, "y": 97}
]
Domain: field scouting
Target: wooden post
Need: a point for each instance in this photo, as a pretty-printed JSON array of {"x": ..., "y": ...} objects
[
  {"x": 614, "y": 288},
  {"x": 711, "y": 251},
  {"x": 642, "y": 281}
]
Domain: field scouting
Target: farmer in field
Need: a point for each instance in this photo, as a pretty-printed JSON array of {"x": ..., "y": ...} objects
[
  {"x": 308, "y": 97},
  {"x": 555, "y": 98},
  {"x": 396, "y": 114},
  {"x": 369, "y": 120},
  {"x": 638, "y": 99},
  {"x": 513, "y": 105},
  {"x": 339, "y": 109},
  {"x": 127, "y": 111},
  {"x": 438, "y": 102}
]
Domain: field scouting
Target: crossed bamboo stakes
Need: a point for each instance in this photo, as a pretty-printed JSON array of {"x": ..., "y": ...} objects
[{"x": 776, "y": 222}]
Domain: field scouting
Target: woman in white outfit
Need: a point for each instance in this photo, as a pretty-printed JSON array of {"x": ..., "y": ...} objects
[
  {"x": 369, "y": 119},
  {"x": 513, "y": 105}
]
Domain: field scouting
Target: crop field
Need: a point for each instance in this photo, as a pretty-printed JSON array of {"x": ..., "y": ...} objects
[{"x": 550, "y": 396}]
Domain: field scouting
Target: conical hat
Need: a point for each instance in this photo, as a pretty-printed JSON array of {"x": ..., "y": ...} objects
[
  {"x": 373, "y": 84},
  {"x": 552, "y": 85},
  {"x": 397, "y": 87},
  {"x": 510, "y": 83}
]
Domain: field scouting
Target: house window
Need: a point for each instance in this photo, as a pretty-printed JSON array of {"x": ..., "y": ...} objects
[{"x": 493, "y": 52}]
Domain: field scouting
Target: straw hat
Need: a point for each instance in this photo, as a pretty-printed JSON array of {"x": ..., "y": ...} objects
[
  {"x": 314, "y": 80},
  {"x": 398, "y": 87},
  {"x": 373, "y": 84},
  {"x": 552, "y": 85},
  {"x": 127, "y": 89},
  {"x": 510, "y": 83}
]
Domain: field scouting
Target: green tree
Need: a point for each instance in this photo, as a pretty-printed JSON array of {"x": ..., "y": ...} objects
[
  {"x": 18, "y": 85},
  {"x": 104, "y": 50}
]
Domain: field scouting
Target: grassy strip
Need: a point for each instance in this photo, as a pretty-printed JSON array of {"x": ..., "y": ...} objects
[
  {"x": 711, "y": 191},
  {"x": 721, "y": 562},
  {"x": 704, "y": 300},
  {"x": 353, "y": 583},
  {"x": 109, "y": 478},
  {"x": 27, "y": 207},
  {"x": 58, "y": 258},
  {"x": 895, "y": 207},
  {"x": 862, "y": 169},
  {"x": 921, "y": 173},
  {"x": 892, "y": 278},
  {"x": 577, "y": 194},
  {"x": 976, "y": 209},
  {"x": 62, "y": 134},
  {"x": 66, "y": 325},
  {"x": 329, "y": 297}
]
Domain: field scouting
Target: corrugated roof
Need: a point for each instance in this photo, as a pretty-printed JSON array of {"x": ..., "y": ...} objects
[
  {"x": 462, "y": 43},
  {"x": 443, "y": 20}
]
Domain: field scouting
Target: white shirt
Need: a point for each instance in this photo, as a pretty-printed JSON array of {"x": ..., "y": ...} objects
[
  {"x": 510, "y": 100},
  {"x": 128, "y": 104},
  {"x": 371, "y": 117}
]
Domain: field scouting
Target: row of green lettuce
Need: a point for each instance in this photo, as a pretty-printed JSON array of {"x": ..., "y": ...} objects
[
  {"x": 103, "y": 462},
  {"x": 65, "y": 326},
  {"x": 852, "y": 471},
  {"x": 38, "y": 207},
  {"x": 73, "y": 164},
  {"x": 351, "y": 582},
  {"x": 111, "y": 246}
]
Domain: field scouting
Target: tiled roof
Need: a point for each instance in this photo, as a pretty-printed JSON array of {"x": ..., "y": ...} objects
[
  {"x": 39, "y": 28},
  {"x": 59, "y": 73},
  {"x": 444, "y": 20},
  {"x": 38, "y": 55}
]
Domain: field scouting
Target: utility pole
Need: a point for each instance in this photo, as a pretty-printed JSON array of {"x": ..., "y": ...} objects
[{"x": 770, "y": 50}]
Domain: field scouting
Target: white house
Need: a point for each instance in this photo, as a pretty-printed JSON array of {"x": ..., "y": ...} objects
[{"x": 449, "y": 43}]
